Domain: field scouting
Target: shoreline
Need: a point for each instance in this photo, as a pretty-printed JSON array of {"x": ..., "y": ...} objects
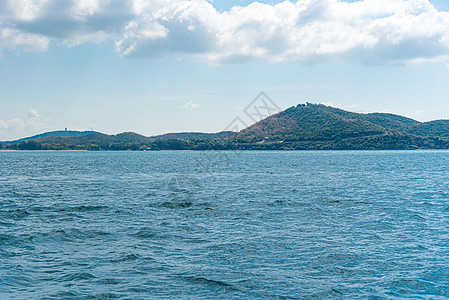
[
  {"x": 15, "y": 150},
  {"x": 239, "y": 150}
]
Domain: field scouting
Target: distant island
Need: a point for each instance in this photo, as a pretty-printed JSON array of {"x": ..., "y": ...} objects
[{"x": 302, "y": 127}]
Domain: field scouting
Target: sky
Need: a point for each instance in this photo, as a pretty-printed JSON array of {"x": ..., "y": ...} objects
[{"x": 158, "y": 66}]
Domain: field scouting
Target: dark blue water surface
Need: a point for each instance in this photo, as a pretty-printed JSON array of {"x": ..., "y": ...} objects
[{"x": 273, "y": 225}]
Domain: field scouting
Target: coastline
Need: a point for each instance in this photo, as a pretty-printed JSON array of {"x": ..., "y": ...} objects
[
  {"x": 15, "y": 150},
  {"x": 230, "y": 150}
]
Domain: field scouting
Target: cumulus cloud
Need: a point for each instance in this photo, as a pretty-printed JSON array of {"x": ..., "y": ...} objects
[
  {"x": 32, "y": 114},
  {"x": 71, "y": 22},
  {"x": 32, "y": 122},
  {"x": 372, "y": 31},
  {"x": 13, "y": 39},
  {"x": 11, "y": 124}
]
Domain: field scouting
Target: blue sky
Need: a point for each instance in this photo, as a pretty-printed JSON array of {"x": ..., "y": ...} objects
[{"x": 170, "y": 66}]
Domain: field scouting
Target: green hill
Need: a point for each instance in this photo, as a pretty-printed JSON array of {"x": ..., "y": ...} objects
[
  {"x": 301, "y": 127},
  {"x": 60, "y": 133},
  {"x": 390, "y": 121},
  {"x": 311, "y": 123},
  {"x": 438, "y": 128},
  {"x": 316, "y": 126},
  {"x": 122, "y": 141}
]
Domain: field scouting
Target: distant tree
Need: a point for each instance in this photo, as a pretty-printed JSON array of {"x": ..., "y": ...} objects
[
  {"x": 30, "y": 145},
  {"x": 93, "y": 147}
]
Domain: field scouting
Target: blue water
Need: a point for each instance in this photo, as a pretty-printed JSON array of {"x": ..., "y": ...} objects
[{"x": 208, "y": 225}]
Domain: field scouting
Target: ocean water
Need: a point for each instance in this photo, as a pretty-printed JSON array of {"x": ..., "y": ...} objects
[{"x": 224, "y": 225}]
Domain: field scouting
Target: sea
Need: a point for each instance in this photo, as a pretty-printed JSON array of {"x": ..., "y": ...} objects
[{"x": 224, "y": 225}]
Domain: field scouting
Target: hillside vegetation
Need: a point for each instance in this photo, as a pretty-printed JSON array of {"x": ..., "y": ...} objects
[
  {"x": 61, "y": 133},
  {"x": 301, "y": 127}
]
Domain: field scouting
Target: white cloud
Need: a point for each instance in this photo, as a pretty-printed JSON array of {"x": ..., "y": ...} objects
[
  {"x": 26, "y": 10},
  {"x": 13, "y": 39},
  {"x": 3, "y": 125},
  {"x": 71, "y": 22},
  {"x": 82, "y": 9},
  {"x": 190, "y": 105},
  {"x": 371, "y": 31},
  {"x": 32, "y": 114},
  {"x": 13, "y": 124},
  {"x": 31, "y": 123}
]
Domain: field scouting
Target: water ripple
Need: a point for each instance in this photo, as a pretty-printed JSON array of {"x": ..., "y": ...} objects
[{"x": 270, "y": 225}]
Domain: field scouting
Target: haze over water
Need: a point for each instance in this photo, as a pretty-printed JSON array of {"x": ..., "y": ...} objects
[{"x": 282, "y": 225}]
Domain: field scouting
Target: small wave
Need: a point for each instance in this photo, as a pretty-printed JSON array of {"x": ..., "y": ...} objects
[
  {"x": 129, "y": 257},
  {"x": 280, "y": 297},
  {"x": 193, "y": 240},
  {"x": 145, "y": 233},
  {"x": 6, "y": 238},
  {"x": 84, "y": 208},
  {"x": 58, "y": 234},
  {"x": 2, "y": 223},
  {"x": 177, "y": 204},
  {"x": 276, "y": 203},
  {"x": 15, "y": 214},
  {"x": 74, "y": 234},
  {"x": 417, "y": 217},
  {"x": 68, "y": 210},
  {"x": 79, "y": 276},
  {"x": 109, "y": 281},
  {"x": 103, "y": 296},
  {"x": 63, "y": 295},
  {"x": 208, "y": 282},
  {"x": 16, "y": 240},
  {"x": 6, "y": 254},
  {"x": 208, "y": 206},
  {"x": 20, "y": 281},
  {"x": 336, "y": 292},
  {"x": 137, "y": 290}
]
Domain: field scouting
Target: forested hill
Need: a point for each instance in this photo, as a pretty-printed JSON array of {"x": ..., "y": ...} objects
[
  {"x": 61, "y": 133},
  {"x": 122, "y": 141},
  {"x": 316, "y": 126},
  {"x": 302, "y": 127}
]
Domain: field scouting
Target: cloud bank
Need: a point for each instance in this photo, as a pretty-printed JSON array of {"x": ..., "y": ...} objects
[{"x": 370, "y": 31}]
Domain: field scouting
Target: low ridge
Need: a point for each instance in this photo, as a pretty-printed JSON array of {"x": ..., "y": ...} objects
[
  {"x": 59, "y": 133},
  {"x": 302, "y": 127}
]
